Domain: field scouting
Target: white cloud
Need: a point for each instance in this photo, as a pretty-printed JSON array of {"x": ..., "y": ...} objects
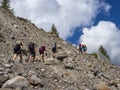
[
  {"x": 105, "y": 33},
  {"x": 106, "y": 7},
  {"x": 66, "y": 14}
]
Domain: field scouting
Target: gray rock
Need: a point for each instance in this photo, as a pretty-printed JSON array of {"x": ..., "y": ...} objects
[
  {"x": 3, "y": 73},
  {"x": 106, "y": 76},
  {"x": 30, "y": 73},
  {"x": 3, "y": 79},
  {"x": 69, "y": 66},
  {"x": 101, "y": 86},
  {"x": 1, "y": 69},
  {"x": 12, "y": 37},
  {"x": 35, "y": 81},
  {"x": 15, "y": 82},
  {"x": 114, "y": 88},
  {"x": 7, "y": 65}
]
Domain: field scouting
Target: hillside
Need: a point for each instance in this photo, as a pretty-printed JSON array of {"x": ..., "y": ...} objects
[{"x": 69, "y": 71}]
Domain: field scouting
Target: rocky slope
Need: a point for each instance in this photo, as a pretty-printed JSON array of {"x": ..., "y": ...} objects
[{"x": 69, "y": 71}]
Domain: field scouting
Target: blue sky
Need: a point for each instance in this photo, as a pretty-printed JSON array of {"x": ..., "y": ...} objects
[
  {"x": 94, "y": 22},
  {"x": 113, "y": 15}
]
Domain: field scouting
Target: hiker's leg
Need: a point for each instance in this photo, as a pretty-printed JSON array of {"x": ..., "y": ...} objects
[
  {"x": 21, "y": 59},
  {"x": 43, "y": 57},
  {"x": 84, "y": 53},
  {"x": 40, "y": 57},
  {"x": 33, "y": 57},
  {"x": 14, "y": 57},
  {"x": 53, "y": 55},
  {"x": 30, "y": 57},
  {"x": 81, "y": 51}
]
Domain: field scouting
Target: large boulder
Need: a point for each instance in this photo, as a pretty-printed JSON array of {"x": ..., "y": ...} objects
[
  {"x": 3, "y": 79},
  {"x": 102, "y": 86},
  {"x": 34, "y": 80},
  {"x": 16, "y": 82}
]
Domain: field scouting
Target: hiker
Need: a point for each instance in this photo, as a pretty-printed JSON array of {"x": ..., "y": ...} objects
[
  {"x": 17, "y": 51},
  {"x": 41, "y": 52},
  {"x": 84, "y": 48},
  {"x": 54, "y": 49},
  {"x": 32, "y": 52},
  {"x": 80, "y": 48}
]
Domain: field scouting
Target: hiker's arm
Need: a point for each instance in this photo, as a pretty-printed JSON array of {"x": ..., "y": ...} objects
[
  {"x": 45, "y": 52},
  {"x": 35, "y": 49},
  {"x": 21, "y": 45}
]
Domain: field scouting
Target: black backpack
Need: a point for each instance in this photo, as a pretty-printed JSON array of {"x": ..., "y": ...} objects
[
  {"x": 16, "y": 47},
  {"x": 31, "y": 46}
]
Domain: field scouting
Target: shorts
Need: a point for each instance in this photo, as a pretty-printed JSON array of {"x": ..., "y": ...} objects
[
  {"x": 17, "y": 52},
  {"x": 84, "y": 49},
  {"x": 41, "y": 52},
  {"x": 32, "y": 53}
]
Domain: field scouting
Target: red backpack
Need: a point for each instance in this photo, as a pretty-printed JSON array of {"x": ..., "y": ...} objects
[{"x": 42, "y": 48}]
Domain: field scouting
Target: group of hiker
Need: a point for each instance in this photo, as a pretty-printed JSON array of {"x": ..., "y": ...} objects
[
  {"x": 17, "y": 50},
  {"x": 82, "y": 48}
]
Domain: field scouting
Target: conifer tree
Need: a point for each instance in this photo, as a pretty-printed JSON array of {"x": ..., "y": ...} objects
[
  {"x": 5, "y": 4},
  {"x": 54, "y": 30},
  {"x": 103, "y": 51}
]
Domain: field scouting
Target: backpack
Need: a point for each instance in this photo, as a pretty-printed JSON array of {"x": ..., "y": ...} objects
[
  {"x": 31, "y": 46},
  {"x": 16, "y": 47},
  {"x": 54, "y": 45},
  {"x": 42, "y": 48}
]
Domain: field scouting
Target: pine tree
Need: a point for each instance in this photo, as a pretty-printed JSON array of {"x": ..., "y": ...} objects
[
  {"x": 54, "y": 30},
  {"x": 5, "y": 4},
  {"x": 103, "y": 51}
]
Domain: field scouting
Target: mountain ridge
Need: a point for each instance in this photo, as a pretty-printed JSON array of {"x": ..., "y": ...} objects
[{"x": 69, "y": 71}]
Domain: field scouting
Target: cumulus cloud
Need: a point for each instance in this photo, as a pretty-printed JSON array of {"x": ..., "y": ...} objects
[
  {"x": 65, "y": 14},
  {"x": 106, "y": 34}
]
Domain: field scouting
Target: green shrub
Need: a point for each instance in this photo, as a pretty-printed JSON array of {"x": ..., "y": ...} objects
[{"x": 95, "y": 55}]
